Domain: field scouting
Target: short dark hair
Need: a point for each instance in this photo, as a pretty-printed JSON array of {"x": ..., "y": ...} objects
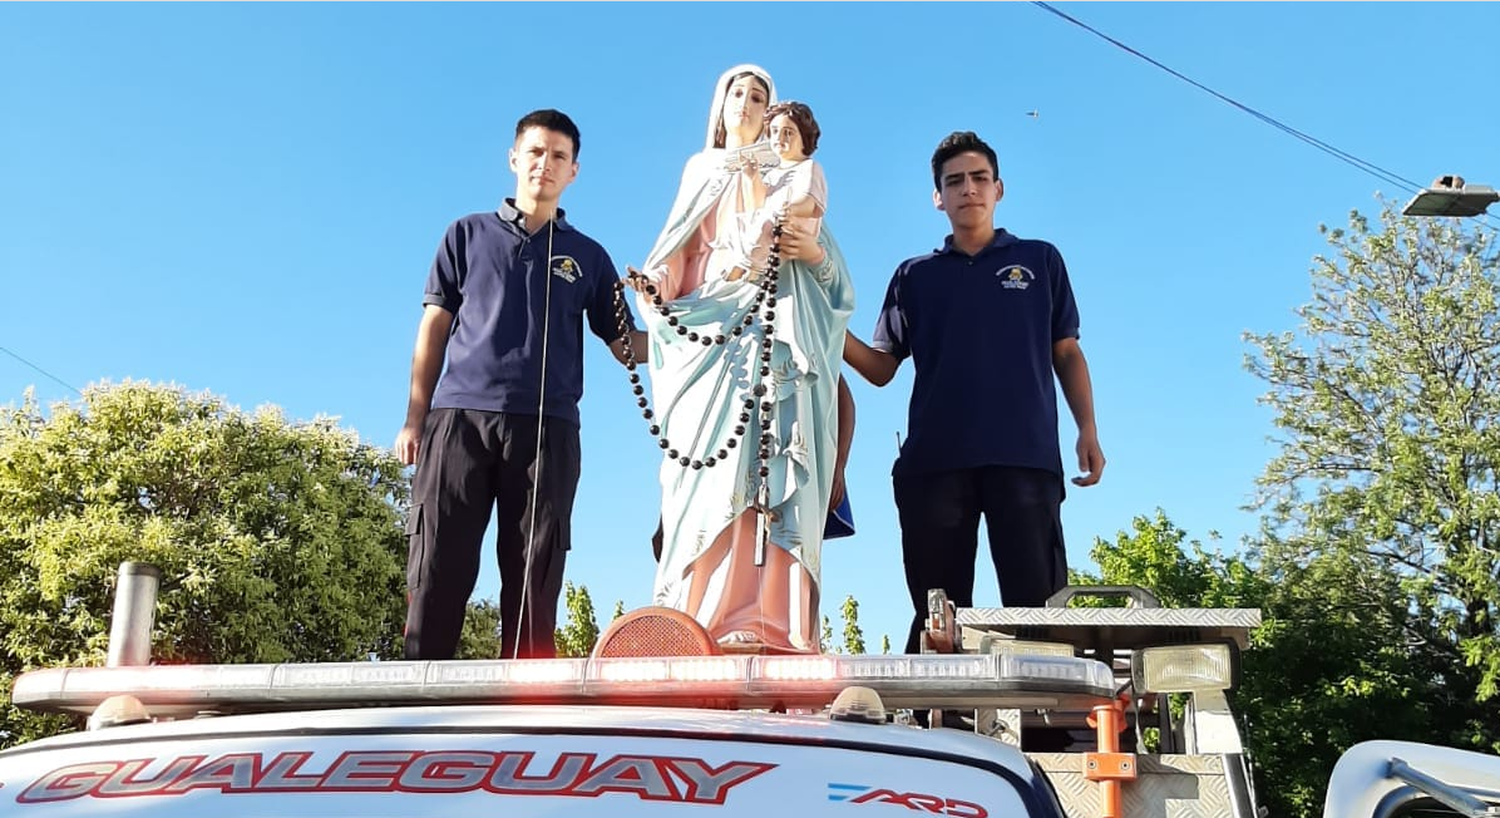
[
  {"x": 552, "y": 120},
  {"x": 802, "y": 117},
  {"x": 956, "y": 143}
]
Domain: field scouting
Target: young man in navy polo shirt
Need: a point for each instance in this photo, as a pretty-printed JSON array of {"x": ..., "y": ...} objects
[
  {"x": 987, "y": 320},
  {"x": 504, "y": 304}
]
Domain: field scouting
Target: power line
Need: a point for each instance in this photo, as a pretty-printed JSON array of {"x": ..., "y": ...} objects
[
  {"x": 41, "y": 370},
  {"x": 1370, "y": 168}
]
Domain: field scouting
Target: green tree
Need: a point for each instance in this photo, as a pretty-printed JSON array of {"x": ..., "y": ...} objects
[
  {"x": 854, "y": 637},
  {"x": 277, "y": 541},
  {"x": 480, "y": 638},
  {"x": 1156, "y": 555},
  {"x": 481, "y": 634},
  {"x": 853, "y": 641},
  {"x": 1387, "y": 400},
  {"x": 1328, "y": 667},
  {"x": 577, "y": 636}
]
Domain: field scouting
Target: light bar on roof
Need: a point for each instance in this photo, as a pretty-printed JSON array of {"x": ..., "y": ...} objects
[
  {"x": 667, "y": 669},
  {"x": 705, "y": 681},
  {"x": 463, "y": 675}
]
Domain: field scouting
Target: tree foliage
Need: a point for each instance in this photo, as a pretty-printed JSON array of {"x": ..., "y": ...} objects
[
  {"x": 1328, "y": 667},
  {"x": 854, "y": 636},
  {"x": 576, "y": 637},
  {"x": 1156, "y": 555},
  {"x": 277, "y": 541},
  {"x": 581, "y": 630},
  {"x": 480, "y": 638},
  {"x": 852, "y": 639},
  {"x": 1387, "y": 401}
]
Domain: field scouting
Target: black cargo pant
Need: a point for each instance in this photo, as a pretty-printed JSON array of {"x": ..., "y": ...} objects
[
  {"x": 939, "y": 514},
  {"x": 469, "y": 462}
]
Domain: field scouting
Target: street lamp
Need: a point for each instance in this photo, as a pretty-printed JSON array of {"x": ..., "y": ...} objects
[{"x": 1449, "y": 196}]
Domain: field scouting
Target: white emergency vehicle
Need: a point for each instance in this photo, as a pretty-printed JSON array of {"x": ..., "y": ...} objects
[{"x": 1044, "y": 714}]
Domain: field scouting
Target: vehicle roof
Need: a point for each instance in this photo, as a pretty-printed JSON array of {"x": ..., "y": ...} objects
[
  {"x": 721, "y": 725},
  {"x": 1362, "y": 780}
]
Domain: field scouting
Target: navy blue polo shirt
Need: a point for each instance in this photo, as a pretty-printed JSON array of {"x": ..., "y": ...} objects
[
  {"x": 493, "y": 277},
  {"x": 979, "y": 330}
]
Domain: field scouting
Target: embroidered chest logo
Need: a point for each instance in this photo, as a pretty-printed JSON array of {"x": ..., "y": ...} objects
[
  {"x": 565, "y": 268},
  {"x": 1015, "y": 277}
]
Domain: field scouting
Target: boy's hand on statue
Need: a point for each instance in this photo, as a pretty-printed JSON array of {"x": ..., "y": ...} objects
[{"x": 635, "y": 279}]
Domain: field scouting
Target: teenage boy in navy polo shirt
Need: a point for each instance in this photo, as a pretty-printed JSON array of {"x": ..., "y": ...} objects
[
  {"x": 504, "y": 305},
  {"x": 987, "y": 319}
]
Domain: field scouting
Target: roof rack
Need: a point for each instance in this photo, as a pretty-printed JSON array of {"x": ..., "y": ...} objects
[
  {"x": 1152, "y": 652},
  {"x": 1119, "y": 628},
  {"x": 1144, "y": 623}
]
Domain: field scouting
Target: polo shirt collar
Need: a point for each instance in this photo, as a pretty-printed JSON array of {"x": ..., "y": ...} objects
[
  {"x": 510, "y": 215},
  {"x": 1002, "y": 238}
]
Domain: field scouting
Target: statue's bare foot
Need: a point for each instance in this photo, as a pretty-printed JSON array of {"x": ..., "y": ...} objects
[{"x": 741, "y": 642}]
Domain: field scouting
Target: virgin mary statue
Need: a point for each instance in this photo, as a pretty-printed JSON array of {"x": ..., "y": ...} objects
[{"x": 744, "y": 367}]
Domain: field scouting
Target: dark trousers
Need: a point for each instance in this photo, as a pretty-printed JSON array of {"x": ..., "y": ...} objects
[
  {"x": 470, "y": 461},
  {"x": 939, "y": 514}
]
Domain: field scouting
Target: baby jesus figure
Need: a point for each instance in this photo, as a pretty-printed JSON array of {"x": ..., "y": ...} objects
[{"x": 793, "y": 190}]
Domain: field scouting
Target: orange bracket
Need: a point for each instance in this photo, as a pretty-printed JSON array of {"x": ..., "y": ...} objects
[{"x": 1108, "y": 765}]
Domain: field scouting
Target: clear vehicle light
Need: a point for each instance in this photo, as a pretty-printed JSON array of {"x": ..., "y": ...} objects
[{"x": 1184, "y": 668}]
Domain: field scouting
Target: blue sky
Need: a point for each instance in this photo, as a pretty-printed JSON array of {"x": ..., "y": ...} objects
[{"x": 246, "y": 199}]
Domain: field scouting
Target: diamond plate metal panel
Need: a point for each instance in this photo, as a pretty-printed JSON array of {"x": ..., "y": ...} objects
[
  {"x": 1119, "y": 627},
  {"x": 1174, "y": 786}
]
